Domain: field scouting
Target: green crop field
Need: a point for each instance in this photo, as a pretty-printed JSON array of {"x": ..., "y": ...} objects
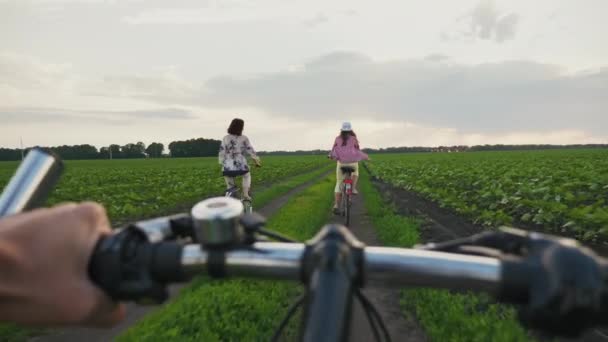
[
  {"x": 561, "y": 191},
  {"x": 134, "y": 188}
]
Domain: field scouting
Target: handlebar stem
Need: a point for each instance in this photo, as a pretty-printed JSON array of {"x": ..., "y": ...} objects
[{"x": 332, "y": 267}]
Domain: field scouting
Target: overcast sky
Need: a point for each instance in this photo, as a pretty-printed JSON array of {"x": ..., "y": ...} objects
[{"x": 430, "y": 72}]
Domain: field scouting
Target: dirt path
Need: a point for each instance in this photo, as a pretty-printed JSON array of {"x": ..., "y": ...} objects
[
  {"x": 440, "y": 224},
  {"x": 137, "y": 312},
  {"x": 385, "y": 300}
]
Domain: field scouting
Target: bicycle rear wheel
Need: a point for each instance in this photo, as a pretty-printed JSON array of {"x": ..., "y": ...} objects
[{"x": 347, "y": 205}]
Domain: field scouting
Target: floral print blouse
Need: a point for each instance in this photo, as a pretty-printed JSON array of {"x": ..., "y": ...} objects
[{"x": 233, "y": 154}]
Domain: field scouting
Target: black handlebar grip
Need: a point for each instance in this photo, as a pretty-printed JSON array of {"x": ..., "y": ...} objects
[
  {"x": 129, "y": 268},
  {"x": 603, "y": 317},
  {"x": 104, "y": 266},
  {"x": 516, "y": 280},
  {"x": 166, "y": 265},
  {"x": 565, "y": 286}
]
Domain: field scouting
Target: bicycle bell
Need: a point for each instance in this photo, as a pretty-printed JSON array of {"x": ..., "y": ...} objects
[{"x": 216, "y": 222}]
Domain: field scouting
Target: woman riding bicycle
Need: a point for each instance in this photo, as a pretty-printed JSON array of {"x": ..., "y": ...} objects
[
  {"x": 347, "y": 153},
  {"x": 232, "y": 156}
]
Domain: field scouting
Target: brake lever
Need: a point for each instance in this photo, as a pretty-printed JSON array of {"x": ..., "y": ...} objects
[
  {"x": 507, "y": 240},
  {"x": 253, "y": 224},
  {"x": 493, "y": 243}
]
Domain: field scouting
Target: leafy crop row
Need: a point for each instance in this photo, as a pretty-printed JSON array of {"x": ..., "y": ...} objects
[
  {"x": 135, "y": 188},
  {"x": 563, "y": 191}
]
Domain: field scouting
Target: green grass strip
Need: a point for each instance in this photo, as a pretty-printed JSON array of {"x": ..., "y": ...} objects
[
  {"x": 264, "y": 196},
  {"x": 238, "y": 309},
  {"x": 443, "y": 315},
  {"x": 14, "y": 333}
]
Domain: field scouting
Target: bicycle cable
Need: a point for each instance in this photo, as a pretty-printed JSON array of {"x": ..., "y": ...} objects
[
  {"x": 371, "y": 311},
  {"x": 292, "y": 310},
  {"x": 275, "y": 235},
  {"x": 370, "y": 318}
]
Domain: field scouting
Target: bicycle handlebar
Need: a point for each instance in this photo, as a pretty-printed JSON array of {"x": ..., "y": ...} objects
[
  {"x": 383, "y": 266},
  {"x": 558, "y": 280},
  {"x": 31, "y": 184}
]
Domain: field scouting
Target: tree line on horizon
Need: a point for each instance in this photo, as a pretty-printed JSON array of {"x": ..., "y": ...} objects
[
  {"x": 199, "y": 147},
  {"x": 202, "y": 147},
  {"x": 455, "y": 148}
]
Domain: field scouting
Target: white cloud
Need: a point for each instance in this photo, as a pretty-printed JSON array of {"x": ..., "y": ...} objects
[
  {"x": 21, "y": 71},
  {"x": 220, "y": 12},
  {"x": 485, "y": 22},
  {"x": 492, "y": 97},
  {"x": 195, "y": 16},
  {"x": 318, "y": 19},
  {"x": 388, "y": 133},
  {"x": 506, "y": 27},
  {"x": 60, "y": 2},
  {"x": 23, "y": 115},
  {"x": 428, "y": 101}
]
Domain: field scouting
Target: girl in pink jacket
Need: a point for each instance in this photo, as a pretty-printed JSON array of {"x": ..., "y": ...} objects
[{"x": 348, "y": 154}]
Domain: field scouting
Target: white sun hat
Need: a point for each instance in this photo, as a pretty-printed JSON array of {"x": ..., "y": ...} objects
[{"x": 346, "y": 127}]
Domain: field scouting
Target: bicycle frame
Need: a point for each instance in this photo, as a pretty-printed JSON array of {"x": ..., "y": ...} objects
[
  {"x": 347, "y": 191},
  {"x": 233, "y": 192},
  {"x": 330, "y": 284}
]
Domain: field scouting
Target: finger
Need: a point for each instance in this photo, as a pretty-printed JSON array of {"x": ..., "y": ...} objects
[
  {"x": 110, "y": 318},
  {"x": 106, "y": 312},
  {"x": 96, "y": 214}
]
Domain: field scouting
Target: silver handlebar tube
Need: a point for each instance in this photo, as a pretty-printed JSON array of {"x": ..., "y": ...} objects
[
  {"x": 31, "y": 183},
  {"x": 386, "y": 266},
  {"x": 383, "y": 266},
  {"x": 271, "y": 260}
]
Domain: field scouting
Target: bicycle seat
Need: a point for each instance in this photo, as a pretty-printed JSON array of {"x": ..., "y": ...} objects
[{"x": 347, "y": 169}]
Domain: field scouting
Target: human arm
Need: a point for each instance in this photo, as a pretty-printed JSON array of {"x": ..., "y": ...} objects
[
  {"x": 333, "y": 154},
  {"x": 249, "y": 150},
  {"x": 362, "y": 154},
  {"x": 222, "y": 152},
  {"x": 44, "y": 257}
]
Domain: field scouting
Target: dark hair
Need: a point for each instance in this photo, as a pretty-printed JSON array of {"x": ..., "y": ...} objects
[
  {"x": 236, "y": 127},
  {"x": 345, "y": 135}
]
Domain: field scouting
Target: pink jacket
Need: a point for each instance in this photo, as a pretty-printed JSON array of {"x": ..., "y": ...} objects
[{"x": 349, "y": 153}]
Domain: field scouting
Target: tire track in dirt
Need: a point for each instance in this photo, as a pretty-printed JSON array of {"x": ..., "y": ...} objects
[
  {"x": 386, "y": 300},
  {"x": 137, "y": 312}
]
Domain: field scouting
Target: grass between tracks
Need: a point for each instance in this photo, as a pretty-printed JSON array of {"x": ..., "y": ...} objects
[
  {"x": 443, "y": 315},
  {"x": 238, "y": 309},
  {"x": 264, "y": 196}
]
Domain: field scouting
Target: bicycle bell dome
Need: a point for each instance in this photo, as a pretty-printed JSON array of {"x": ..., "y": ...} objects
[{"x": 216, "y": 221}]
